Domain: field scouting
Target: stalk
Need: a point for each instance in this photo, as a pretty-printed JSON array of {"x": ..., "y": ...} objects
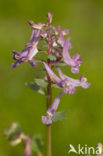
[
  {"x": 49, "y": 98},
  {"x": 48, "y": 128}
]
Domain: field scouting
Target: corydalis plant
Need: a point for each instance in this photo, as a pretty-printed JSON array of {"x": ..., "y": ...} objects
[{"x": 49, "y": 40}]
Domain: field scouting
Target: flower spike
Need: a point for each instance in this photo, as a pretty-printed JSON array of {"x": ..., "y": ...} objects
[{"x": 51, "y": 74}]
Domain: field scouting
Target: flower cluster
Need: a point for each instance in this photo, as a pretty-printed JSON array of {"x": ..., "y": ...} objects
[{"x": 57, "y": 50}]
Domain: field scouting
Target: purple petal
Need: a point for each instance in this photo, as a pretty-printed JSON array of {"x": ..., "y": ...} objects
[
  {"x": 55, "y": 104},
  {"x": 29, "y": 52},
  {"x": 68, "y": 87},
  {"x": 66, "y": 56},
  {"x": 53, "y": 77},
  {"x": 84, "y": 83},
  {"x": 62, "y": 76},
  {"x": 66, "y": 32},
  {"x": 49, "y": 19},
  {"x": 43, "y": 34},
  {"x": 46, "y": 121},
  {"x": 70, "y": 90},
  {"x": 32, "y": 62},
  {"x": 75, "y": 61},
  {"x": 36, "y": 26},
  {"x": 16, "y": 53},
  {"x": 75, "y": 70},
  {"x": 32, "y": 52},
  {"x": 52, "y": 110},
  {"x": 61, "y": 36},
  {"x": 69, "y": 84},
  {"x": 13, "y": 65}
]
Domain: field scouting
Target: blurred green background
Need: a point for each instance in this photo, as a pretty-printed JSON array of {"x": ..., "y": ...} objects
[{"x": 18, "y": 103}]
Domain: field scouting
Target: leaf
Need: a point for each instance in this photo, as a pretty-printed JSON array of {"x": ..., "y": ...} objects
[
  {"x": 51, "y": 57},
  {"x": 60, "y": 64},
  {"x": 36, "y": 143},
  {"x": 41, "y": 82},
  {"x": 60, "y": 116},
  {"x": 35, "y": 87}
]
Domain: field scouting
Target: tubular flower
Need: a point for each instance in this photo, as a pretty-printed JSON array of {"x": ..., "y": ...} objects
[
  {"x": 68, "y": 84},
  {"x": 29, "y": 52},
  {"x": 36, "y": 26},
  {"x": 52, "y": 110},
  {"x": 61, "y": 36},
  {"x": 75, "y": 61},
  {"x": 49, "y": 18},
  {"x": 61, "y": 33},
  {"x": 27, "y": 151},
  {"x": 65, "y": 31}
]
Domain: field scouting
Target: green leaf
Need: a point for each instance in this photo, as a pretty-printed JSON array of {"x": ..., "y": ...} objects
[
  {"x": 41, "y": 83},
  {"x": 60, "y": 116},
  {"x": 51, "y": 57},
  {"x": 35, "y": 87},
  {"x": 60, "y": 64},
  {"x": 36, "y": 143}
]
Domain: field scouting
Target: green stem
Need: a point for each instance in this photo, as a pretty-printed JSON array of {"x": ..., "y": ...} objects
[
  {"x": 49, "y": 100},
  {"x": 48, "y": 140}
]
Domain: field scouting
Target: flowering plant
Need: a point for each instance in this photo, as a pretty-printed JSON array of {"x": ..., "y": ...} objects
[{"x": 49, "y": 41}]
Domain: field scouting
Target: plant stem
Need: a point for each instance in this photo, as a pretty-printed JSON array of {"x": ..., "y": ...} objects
[
  {"x": 48, "y": 140},
  {"x": 49, "y": 96},
  {"x": 49, "y": 100}
]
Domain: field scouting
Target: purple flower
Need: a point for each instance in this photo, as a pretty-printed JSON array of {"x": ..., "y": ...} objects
[
  {"x": 61, "y": 33},
  {"x": 53, "y": 77},
  {"x": 75, "y": 61},
  {"x": 68, "y": 84},
  {"x": 49, "y": 19},
  {"x": 61, "y": 36},
  {"x": 51, "y": 111},
  {"x": 36, "y": 26},
  {"x": 65, "y": 31},
  {"x": 29, "y": 52},
  {"x": 82, "y": 82},
  {"x": 27, "y": 151}
]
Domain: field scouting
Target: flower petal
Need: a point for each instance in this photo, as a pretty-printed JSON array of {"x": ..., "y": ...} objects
[
  {"x": 66, "y": 56},
  {"x": 53, "y": 77},
  {"x": 72, "y": 83},
  {"x": 75, "y": 61},
  {"x": 61, "y": 36},
  {"x": 55, "y": 104},
  {"x": 84, "y": 83},
  {"x": 36, "y": 26},
  {"x": 29, "y": 52},
  {"x": 75, "y": 70},
  {"x": 52, "y": 110},
  {"x": 46, "y": 121},
  {"x": 49, "y": 19}
]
